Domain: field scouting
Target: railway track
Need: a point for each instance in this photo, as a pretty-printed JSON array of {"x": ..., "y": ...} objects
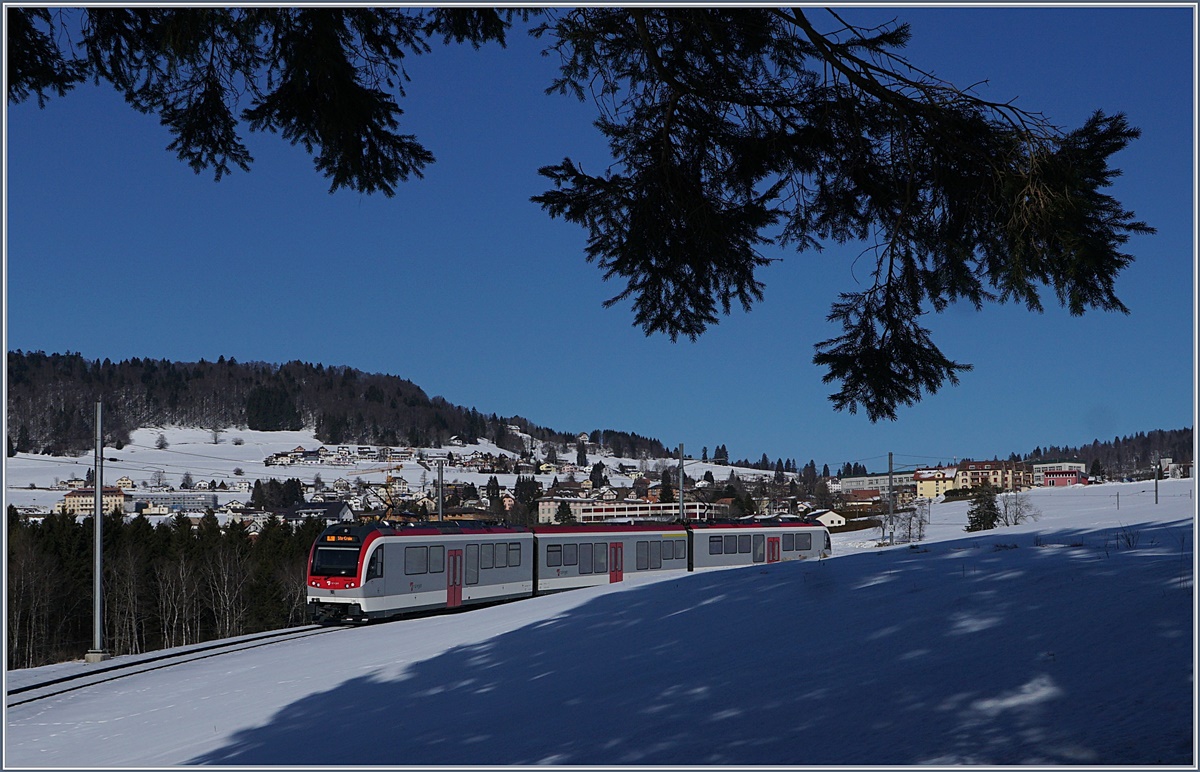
[{"x": 115, "y": 669}]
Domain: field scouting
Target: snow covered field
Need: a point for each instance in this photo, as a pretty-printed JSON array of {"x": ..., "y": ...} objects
[{"x": 1065, "y": 641}]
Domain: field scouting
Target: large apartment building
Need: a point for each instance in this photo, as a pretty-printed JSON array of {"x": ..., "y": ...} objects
[
  {"x": 594, "y": 511},
  {"x": 162, "y": 503},
  {"x": 903, "y": 486},
  {"x": 1003, "y": 475},
  {"x": 83, "y": 501}
]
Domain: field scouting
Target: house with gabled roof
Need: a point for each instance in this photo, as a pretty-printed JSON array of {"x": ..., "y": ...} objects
[
  {"x": 860, "y": 499},
  {"x": 828, "y": 518},
  {"x": 329, "y": 512},
  {"x": 933, "y": 482}
]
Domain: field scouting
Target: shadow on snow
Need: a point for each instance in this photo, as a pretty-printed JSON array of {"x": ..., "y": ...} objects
[{"x": 1050, "y": 648}]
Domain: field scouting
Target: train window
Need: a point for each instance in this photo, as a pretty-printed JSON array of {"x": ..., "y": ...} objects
[
  {"x": 416, "y": 560},
  {"x": 789, "y": 542},
  {"x": 760, "y": 548},
  {"x": 714, "y": 545},
  {"x": 804, "y": 541},
  {"x": 600, "y": 552},
  {"x": 585, "y": 558},
  {"x": 501, "y": 555},
  {"x": 514, "y": 553},
  {"x": 743, "y": 542},
  {"x": 730, "y": 545},
  {"x": 487, "y": 553},
  {"x": 334, "y": 561},
  {"x": 553, "y": 554},
  {"x": 656, "y": 554},
  {"x": 570, "y": 554},
  {"x": 437, "y": 559},
  {"x": 680, "y": 549},
  {"x": 472, "y": 564},
  {"x": 375, "y": 565},
  {"x": 643, "y": 555}
]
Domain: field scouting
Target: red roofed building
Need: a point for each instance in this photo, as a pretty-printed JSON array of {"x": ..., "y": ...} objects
[
  {"x": 83, "y": 501},
  {"x": 1002, "y": 475}
]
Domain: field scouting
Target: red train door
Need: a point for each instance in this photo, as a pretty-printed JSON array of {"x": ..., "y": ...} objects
[
  {"x": 454, "y": 578},
  {"x": 772, "y": 549},
  {"x": 616, "y": 561}
]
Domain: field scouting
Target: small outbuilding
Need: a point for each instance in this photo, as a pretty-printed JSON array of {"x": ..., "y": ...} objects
[{"x": 828, "y": 518}]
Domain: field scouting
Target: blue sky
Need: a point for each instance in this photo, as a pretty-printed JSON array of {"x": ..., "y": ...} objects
[{"x": 116, "y": 249}]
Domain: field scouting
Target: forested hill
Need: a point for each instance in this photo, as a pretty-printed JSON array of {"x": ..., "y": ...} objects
[
  {"x": 51, "y": 404},
  {"x": 51, "y": 409},
  {"x": 1122, "y": 456}
]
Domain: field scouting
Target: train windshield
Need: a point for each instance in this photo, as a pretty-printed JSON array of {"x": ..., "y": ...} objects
[{"x": 335, "y": 561}]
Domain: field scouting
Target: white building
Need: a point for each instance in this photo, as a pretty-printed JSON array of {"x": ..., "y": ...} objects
[
  {"x": 1039, "y": 470},
  {"x": 829, "y": 519}
]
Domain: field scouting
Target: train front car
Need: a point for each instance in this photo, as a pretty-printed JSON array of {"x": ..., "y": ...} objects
[
  {"x": 337, "y": 572},
  {"x": 362, "y": 572},
  {"x": 570, "y": 556},
  {"x": 716, "y": 545}
]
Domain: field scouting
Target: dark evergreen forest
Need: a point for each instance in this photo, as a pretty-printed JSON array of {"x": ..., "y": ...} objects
[
  {"x": 51, "y": 399},
  {"x": 1120, "y": 457},
  {"x": 166, "y": 585}
]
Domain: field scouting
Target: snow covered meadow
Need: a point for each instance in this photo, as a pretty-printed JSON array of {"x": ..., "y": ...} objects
[{"x": 1069, "y": 640}]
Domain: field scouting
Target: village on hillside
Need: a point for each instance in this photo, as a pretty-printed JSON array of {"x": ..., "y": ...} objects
[{"x": 349, "y": 482}]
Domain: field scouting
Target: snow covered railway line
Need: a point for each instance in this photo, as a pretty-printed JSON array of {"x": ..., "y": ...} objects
[{"x": 84, "y": 676}]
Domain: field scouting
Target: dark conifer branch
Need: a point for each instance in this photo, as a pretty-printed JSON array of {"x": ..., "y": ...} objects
[{"x": 730, "y": 129}]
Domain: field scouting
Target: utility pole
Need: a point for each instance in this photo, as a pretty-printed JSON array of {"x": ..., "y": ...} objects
[
  {"x": 1156, "y": 467},
  {"x": 891, "y": 501},
  {"x": 440, "y": 465},
  {"x": 97, "y": 652},
  {"x": 682, "y": 515}
]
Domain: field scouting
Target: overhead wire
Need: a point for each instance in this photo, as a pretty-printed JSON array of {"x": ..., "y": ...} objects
[{"x": 204, "y": 472}]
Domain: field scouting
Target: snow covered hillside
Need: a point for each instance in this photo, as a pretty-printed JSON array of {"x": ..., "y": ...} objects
[
  {"x": 37, "y": 481},
  {"x": 1069, "y": 640}
]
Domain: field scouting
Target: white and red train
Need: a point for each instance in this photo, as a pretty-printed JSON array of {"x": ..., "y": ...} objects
[{"x": 378, "y": 570}]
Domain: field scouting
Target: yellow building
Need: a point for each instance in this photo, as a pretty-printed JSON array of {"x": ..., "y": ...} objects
[
  {"x": 83, "y": 501},
  {"x": 932, "y": 483}
]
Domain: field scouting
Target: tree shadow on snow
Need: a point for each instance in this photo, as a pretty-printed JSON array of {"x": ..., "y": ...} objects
[{"x": 1047, "y": 648}]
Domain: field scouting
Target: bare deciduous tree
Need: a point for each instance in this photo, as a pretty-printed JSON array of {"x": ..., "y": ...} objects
[
  {"x": 32, "y": 578},
  {"x": 225, "y": 579},
  {"x": 125, "y": 607},
  {"x": 291, "y": 577},
  {"x": 1016, "y": 508},
  {"x": 911, "y": 524},
  {"x": 178, "y": 600}
]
